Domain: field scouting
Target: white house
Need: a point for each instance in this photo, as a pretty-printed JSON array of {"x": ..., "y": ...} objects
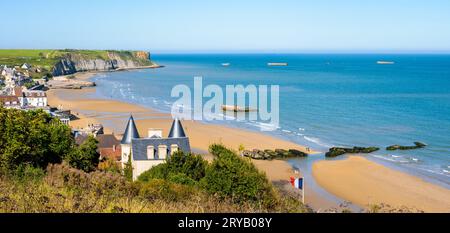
[
  {"x": 26, "y": 66},
  {"x": 152, "y": 150},
  {"x": 9, "y": 102},
  {"x": 33, "y": 98}
]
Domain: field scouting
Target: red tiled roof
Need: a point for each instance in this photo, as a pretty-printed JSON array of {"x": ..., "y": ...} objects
[
  {"x": 110, "y": 153},
  {"x": 107, "y": 141},
  {"x": 10, "y": 99}
]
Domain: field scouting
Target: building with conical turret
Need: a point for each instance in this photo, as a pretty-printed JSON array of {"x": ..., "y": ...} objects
[{"x": 153, "y": 149}]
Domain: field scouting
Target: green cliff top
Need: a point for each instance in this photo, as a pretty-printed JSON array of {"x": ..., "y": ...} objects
[{"x": 46, "y": 58}]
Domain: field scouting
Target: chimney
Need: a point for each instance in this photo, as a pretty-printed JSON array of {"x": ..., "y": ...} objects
[{"x": 154, "y": 133}]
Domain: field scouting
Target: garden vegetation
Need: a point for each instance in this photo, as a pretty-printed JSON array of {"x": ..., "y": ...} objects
[{"x": 42, "y": 170}]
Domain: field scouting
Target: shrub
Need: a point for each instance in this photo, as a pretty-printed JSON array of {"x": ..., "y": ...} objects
[
  {"x": 163, "y": 189},
  {"x": 26, "y": 172},
  {"x": 229, "y": 175},
  {"x": 64, "y": 176},
  {"x": 160, "y": 171},
  {"x": 32, "y": 137},
  {"x": 85, "y": 157},
  {"x": 109, "y": 165},
  {"x": 193, "y": 166},
  {"x": 128, "y": 169},
  {"x": 184, "y": 167},
  {"x": 181, "y": 178}
]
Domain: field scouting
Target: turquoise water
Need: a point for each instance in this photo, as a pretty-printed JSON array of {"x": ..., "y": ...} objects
[{"x": 325, "y": 100}]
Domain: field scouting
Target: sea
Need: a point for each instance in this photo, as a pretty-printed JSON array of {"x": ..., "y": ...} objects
[{"x": 325, "y": 100}]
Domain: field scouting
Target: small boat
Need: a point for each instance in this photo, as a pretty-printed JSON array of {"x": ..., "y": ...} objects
[
  {"x": 385, "y": 62},
  {"x": 277, "y": 64},
  {"x": 225, "y": 64},
  {"x": 235, "y": 108}
]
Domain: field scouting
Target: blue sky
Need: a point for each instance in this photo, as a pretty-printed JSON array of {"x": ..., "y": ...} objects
[{"x": 229, "y": 26}]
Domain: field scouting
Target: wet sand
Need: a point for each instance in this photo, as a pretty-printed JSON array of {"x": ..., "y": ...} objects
[{"x": 365, "y": 182}]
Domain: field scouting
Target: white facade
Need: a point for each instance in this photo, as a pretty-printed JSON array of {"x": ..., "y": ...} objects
[
  {"x": 141, "y": 166},
  {"x": 34, "y": 99},
  {"x": 126, "y": 151}
]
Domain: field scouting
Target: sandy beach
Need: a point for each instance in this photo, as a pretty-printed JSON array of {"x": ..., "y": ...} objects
[
  {"x": 111, "y": 112},
  {"x": 356, "y": 179},
  {"x": 364, "y": 182},
  {"x": 114, "y": 114}
]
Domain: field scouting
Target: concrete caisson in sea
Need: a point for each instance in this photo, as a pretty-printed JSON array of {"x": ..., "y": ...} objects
[{"x": 277, "y": 64}]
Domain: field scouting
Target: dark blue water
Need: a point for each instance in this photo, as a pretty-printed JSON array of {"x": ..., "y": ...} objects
[{"x": 325, "y": 100}]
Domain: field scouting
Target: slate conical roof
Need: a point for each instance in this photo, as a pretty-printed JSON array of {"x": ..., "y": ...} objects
[
  {"x": 177, "y": 131},
  {"x": 130, "y": 132}
]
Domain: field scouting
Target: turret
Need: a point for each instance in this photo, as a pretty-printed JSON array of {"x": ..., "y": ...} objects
[
  {"x": 129, "y": 134},
  {"x": 177, "y": 131}
]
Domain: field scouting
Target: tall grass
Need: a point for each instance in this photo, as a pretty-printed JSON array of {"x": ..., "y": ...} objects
[{"x": 63, "y": 189}]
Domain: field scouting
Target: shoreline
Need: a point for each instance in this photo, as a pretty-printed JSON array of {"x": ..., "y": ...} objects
[
  {"x": 365, "y": 182},
  {"x": 113, "y": 114}
]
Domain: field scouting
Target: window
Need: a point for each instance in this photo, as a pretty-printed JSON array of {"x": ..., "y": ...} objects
[
  {"x": 173, "y": 148},
  {"x": 162, "y": 151},
  {"x": 150, "y": 152}
]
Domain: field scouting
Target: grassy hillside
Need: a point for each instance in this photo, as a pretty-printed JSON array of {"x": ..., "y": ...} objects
[
  {"x": 46, "y": 58},
  {"x": 43, "y": 58}
]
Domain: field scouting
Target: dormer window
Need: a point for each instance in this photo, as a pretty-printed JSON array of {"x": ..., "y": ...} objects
[
  {"x": 173, "y": 148},
  {"x": 150, "y": 152},
  {"x": 162, "y": 151}
]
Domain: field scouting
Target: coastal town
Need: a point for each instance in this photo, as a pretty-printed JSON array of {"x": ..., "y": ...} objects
[
  {"x": 123, "y": 144},
  {"x": 20, "y": 91},
  {"x": 224, "y": 116}
]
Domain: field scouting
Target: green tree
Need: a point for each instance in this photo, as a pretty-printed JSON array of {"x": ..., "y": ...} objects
[
  {"x": 179, "y": 168},
  {"x": 193, "y": 166},
  {"x": 128, "y": 169},
  {"x": 32, "y": 137},
  {"x": 85, "y": 157},
  {"x": 231, "y": 176}
]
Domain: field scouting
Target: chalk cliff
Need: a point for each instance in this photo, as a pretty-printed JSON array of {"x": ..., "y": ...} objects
[{"x": 73, "y": 61}]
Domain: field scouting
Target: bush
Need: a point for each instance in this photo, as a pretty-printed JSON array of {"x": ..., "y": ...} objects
[
  {"x": 32, "y": 137},
  {"x": 163, "y": 189},
  {"x": 103, "y": 183},
  {"x": 128, "y": 169},
  {"x": 85, "y": 157},
  {"x": 26, "y": 172},
  {"x": 160, "y": 171},
  {"x": 229, "y": 175},
  {"x": 181, "y": 178},
  {"x": 194, "y": 166},
  {"x": 180, "y": 168},
  {"x": 110, "y": 165}
]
